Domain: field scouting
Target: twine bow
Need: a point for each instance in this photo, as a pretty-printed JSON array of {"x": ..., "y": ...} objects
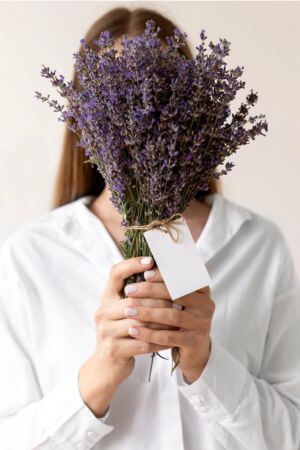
[{"x": 166, "y": 225}]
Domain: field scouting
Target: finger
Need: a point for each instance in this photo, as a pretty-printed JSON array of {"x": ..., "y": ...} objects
[
  {"x": 131, "y": 347},
  {"x": 122, "y": 270},
  {"x": 115, "y": 311},
  {"x": 148, "y": 289},
  {"x": 166, "y": 316},
  {"x": 168, "y": 338},
  {"x": 119, "y": 328},
  {"x": 153, "y": 275},
  {"x": 205, "y": 290},
  {"x": 198, "y": 303}
]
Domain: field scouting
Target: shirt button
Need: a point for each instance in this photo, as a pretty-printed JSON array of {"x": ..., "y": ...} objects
[
  {"x": 195, "y": 399},
  {"x": 201, "y": 399},
  {"x": 204, "y": 409},
  {"x": 80, "y": 446},
  {"x": 91, "y": 434}
]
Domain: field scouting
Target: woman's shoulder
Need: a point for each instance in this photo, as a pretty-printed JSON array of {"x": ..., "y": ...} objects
[
  {"x": 259, "y": 229},
  {"x": 37, "y": 233}
]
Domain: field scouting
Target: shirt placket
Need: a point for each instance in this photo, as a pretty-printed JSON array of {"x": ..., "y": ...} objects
[{"x": 170, "y": 416}]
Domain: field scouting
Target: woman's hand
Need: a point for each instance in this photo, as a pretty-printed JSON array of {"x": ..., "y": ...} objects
[
  {"x": 193, "y": 324},
  {"x": 114, "y": 344},
  {"x": 113, "y": 359}
]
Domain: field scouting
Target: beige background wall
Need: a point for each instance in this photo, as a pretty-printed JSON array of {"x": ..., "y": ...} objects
[{"x": 265, "y": 38}]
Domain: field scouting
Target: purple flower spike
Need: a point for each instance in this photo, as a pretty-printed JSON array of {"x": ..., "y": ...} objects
[{"x": 155, "y": 124}]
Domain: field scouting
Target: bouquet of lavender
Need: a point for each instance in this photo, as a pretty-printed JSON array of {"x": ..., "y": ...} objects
[{"x": 155, "y": 124}]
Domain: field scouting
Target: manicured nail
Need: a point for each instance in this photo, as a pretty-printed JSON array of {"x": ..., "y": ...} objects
[
  {"x": 149, "y": 274},
  {"x": 146, "y": 260},
  {"x": 133, "y": 331},
  {"x": 130, "y": 288},
  {"x": 130, "y": 311}
]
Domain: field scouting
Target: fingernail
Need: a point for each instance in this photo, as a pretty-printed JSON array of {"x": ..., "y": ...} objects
[
  {"x": 146, "y": 260},
  {"x": 176, "y": 306},
  {"x": 133, "y": 331},
  {"x": 149, "y": 274},
  {"x": 130, "y": 288},
  {"x": 130, "y": 311}
]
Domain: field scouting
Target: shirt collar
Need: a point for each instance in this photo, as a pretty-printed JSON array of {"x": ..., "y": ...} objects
[
  {"x": 224, "y": 220},
  {"x": 90, "y": 235}
]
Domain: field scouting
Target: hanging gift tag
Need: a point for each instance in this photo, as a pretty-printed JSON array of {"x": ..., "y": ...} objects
[{"x": 179, "y": 263}]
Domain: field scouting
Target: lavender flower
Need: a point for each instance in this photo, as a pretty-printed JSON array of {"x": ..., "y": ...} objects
[{"x": 156, "y": 124}]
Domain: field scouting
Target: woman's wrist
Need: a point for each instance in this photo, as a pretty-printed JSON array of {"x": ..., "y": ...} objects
[{"x": 96, "y": 387}]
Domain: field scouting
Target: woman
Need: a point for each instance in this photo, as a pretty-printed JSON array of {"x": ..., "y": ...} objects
[{"x": 74, "y": 377}]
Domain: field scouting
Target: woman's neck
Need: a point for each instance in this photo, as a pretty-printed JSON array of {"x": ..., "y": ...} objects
[{"x": 196, "y": 215}]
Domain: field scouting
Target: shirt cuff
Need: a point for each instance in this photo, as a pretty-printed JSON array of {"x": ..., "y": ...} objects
[
  {"x": 103, "y": 418},
  {"x": 82, "y": 429},
  {"x": 217, "y": 392}
]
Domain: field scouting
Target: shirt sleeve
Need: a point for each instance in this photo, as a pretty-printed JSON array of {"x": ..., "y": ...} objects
[
  {"x": 59, "y": 419},
  {"x": 243, "y": 411}
]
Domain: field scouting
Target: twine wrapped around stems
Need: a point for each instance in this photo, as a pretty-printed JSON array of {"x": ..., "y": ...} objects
[{"x": 166, "y": 225}]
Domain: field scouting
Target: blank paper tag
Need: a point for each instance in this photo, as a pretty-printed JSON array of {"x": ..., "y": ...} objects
[{"x": 179, "y": 263}]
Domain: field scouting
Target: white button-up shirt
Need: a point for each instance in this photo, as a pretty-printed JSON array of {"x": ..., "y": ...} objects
[{"x": 53, "y": 271}]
